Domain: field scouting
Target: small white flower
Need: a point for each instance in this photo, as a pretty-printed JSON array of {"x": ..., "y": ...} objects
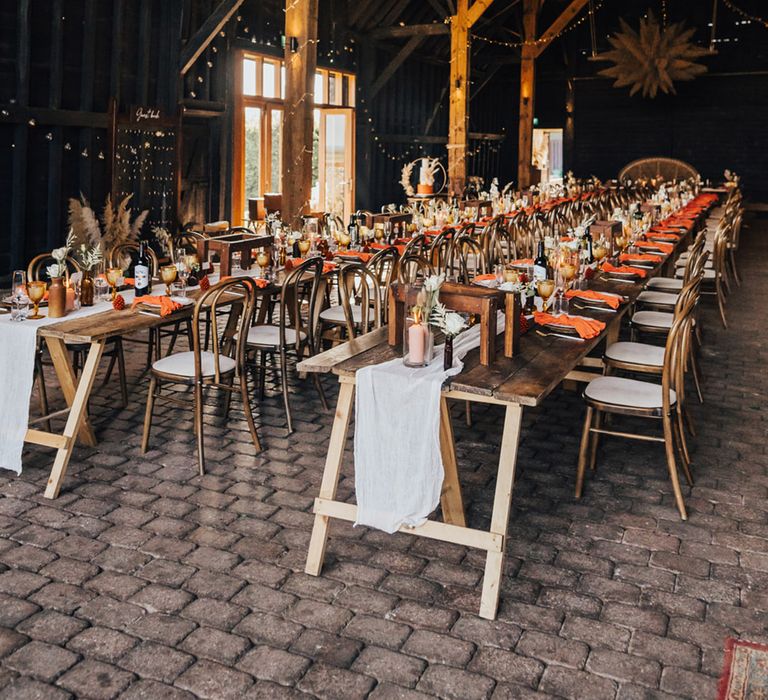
[
  {"x": 59, "y": 254},
  {"x": 454, "y": 324},
  {"x": 433, "y": 282}
]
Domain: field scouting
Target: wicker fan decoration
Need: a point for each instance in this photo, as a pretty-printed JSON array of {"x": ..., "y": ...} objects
[{"x": 653, "y": 58}]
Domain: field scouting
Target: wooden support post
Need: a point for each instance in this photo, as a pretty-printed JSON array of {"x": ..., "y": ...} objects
[
  {"x": 527, "y": 89},
  {"x": 458, "y": 116},
  {"x": 458, "y": 89},
  {"x": 300, "y": 64}
]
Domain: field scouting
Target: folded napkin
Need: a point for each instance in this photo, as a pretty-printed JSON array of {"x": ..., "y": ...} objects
[
  {"x": 589, "y": 294},
  {"x": 166, "y": 304},
  {"x": 663, "y": 235},
  {"x": 363, "y": 257},
  {"x": 607, "y": 267},
  {"x": 290, "y": 263},
  {"x": 522, "y": 261},
  {"x": 585, "y": 327},
  {"x": 260, "y": 282},
  {"x": 665, "y": 248},
  {"x": 647, "y": 257},
  {"x": 484, "y": 278}
]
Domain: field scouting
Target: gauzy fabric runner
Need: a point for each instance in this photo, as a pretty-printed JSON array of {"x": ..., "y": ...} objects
[
  {"x": 18, "y": 344},
  {"x": 398, "y": 465}
]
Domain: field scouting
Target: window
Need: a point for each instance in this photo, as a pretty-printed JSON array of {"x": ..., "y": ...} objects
[{"x": 259, "y": 135}]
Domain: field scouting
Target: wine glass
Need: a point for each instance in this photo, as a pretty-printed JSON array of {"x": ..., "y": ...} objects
[
  {"x": 344, "y": 241},
  {"x": 568, "y": 272},
  {"x": 545, "y": 288},
  {"x": 600, "y": 250},
  {"x": 304, "y": 245},
  {"x": 113, "y": 278},
  {"x": 262, "y": 260},
  {"x": 378, "y": 232},
  {"x": 168, "y": 274},
  {"x": 36, "y": 292}
]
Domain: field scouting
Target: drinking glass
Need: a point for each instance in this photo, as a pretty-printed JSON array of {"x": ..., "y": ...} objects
[
  {"x": 36, "y": 292},
  {"x": 19, "y": 307},
  {"x": 498, "y": 271},
  {"x": 180, "y": 258},
  {"x": 304, "y": 245},
  {"x": 19, "y": 286},
  {"x": 561, "y": 305},
  {"x": 168, "y": 274},
  {"x": 545, "y": 288},
  {"x": 262, "y": 260},
  {"x": 235, "y": 262},
  {"x": 100, "y": 288}
]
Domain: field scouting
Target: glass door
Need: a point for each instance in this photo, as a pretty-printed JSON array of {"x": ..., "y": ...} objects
[
  {"x": 253, "y": 155},
  {"x": 332, "y": 179}
]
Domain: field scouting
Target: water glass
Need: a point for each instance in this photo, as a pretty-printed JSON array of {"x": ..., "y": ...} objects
[
  {"x": 235, "y": 263},
  {"x": 498, "y": 271},
  {"x": 561, "y": 306},
  {"x": 19, "y": 307},
  {"x": 19, "y": 285},
  {"x": 100, "y": 289}
]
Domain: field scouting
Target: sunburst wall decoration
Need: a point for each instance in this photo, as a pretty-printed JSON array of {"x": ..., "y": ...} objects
[{"x": 654, "y": 58}]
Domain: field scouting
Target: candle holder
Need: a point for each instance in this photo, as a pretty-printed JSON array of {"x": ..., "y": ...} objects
[
  {"x": 113, "y": 275},
  {"x": 418, "y": 340}
]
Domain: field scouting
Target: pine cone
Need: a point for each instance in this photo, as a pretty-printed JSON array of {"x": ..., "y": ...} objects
[
  {"x": 205, "y": 283},
  {"x": 119, "y": 303},
  {"x": 524, "y": 325}
]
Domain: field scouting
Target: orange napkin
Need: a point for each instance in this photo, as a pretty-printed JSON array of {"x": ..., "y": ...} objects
[
  {"x": 625, "y": 257},
  {"x": 607, "y": 267},
  {"x": 485, "y": 278},
  {"x": 588, "y": 294},
  {"x": 663, "y": 235},
  {"x": 522, "y": 261},
  {"x": 290, "y": 263},
  {"x": 585, "y": 327},
  {"x": 363, "y": 257},
  {"x": 260, "y": 282},
  {"x": 166, "y": 304},
  {"x": 665, "y": 248}
]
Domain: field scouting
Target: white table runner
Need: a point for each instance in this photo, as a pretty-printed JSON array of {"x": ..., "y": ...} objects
[
  {"x": 398, "y": 465},
  {"x": 18, "y": 343}
]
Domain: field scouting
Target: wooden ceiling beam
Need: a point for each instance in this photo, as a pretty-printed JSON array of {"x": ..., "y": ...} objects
[
  {"x": 394, "y": 64},
  {"x": 440, "y": 10},
  {"x": 421, "y": 29},
  {"x": 476, "y": 11},
  {"x": 568, "y": 14},
  {"x": 206, "y": 34}
]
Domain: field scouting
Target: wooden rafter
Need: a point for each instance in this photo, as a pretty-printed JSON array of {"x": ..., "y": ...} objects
[
  {"x": 205, "y": 35},
  {"x": 559, "y": 24},
  {"x": 394, "y": 64},
  {"x": 476, "y": 11},
  {"x": 410, "y": 30},
  {"x": 439, "y": 9}
]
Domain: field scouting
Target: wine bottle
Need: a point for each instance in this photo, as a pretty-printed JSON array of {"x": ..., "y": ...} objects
[
  {"x": 540, "y": 264},
  {"x": 352, "y": 230},
  {"x": 142, "y": 279},
  {"x": 590, "y": 258}
]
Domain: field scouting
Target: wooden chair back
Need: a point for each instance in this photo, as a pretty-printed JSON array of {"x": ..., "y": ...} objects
[
  {"x": 123, "y": 254},
  {"x": 302, "y": 285},
  {"x": 675, "y": 352},
  {"x": 359, "y": 287},
  {"x": 40, "y": 262},
  {"x": 417, "y": 244},
  {"x": 214, "y": 305},
  {"x": 440, "y": 249},
  {"x": 467, "y": 259},
  {"x": 411, "y": 267}
]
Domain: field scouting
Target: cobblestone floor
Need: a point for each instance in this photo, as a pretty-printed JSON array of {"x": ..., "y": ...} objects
[{"x": 144, "y": 580}]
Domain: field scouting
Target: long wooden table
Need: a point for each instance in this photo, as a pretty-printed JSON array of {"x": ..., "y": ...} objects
[{"x": 514, "y": 383}]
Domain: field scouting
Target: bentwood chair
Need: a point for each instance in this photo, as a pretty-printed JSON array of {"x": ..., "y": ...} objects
[
  {"x": 466, "y": 259},
  {"x": 498, "y": 243},
  {"x": 39, "y": 263},
  {"x": 294, "y": 333},
  {"x": 360, "y": 305},
  {"x": 631, "y": 397},
  {"x": 221, "y": 368},
  {"x": 715, "y": 277},
  {"x": 417, "y": 245}
]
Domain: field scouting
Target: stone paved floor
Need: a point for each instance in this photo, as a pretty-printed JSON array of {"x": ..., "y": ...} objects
[{"x": 144, "y": 580}]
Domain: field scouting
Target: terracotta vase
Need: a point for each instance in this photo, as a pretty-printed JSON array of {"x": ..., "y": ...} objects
[
  {"x": 86, "y": 289},
  {"x": 57, "y": 298}
]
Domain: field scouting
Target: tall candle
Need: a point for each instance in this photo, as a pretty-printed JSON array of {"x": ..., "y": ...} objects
[{"x": 416, "y": 341}]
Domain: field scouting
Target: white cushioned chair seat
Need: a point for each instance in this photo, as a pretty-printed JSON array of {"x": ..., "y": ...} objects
[
  {"x": 658, "y": 298},
  {"x": 620, "y": 391},
  {"x": 335, "y": 314},
  {"x": 709, "y": 274},
  {"x": 654, "y": 319},
  {"x": 270, "y": 335},
  {"x": 665, "y": 283},
  {"x": 681, "y": 262},
  {"x": 636, "y": 353},
  {"x": 182, "y": 364}
]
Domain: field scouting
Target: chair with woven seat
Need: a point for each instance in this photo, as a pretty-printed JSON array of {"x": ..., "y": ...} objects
[
  {"x": 221, "y": 368},
  {"x": 640, "y": 399},
  {"x": 301, "y": 289}
]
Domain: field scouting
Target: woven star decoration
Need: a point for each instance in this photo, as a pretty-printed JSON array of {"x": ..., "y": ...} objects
[{"x": 653, "y": 58}]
